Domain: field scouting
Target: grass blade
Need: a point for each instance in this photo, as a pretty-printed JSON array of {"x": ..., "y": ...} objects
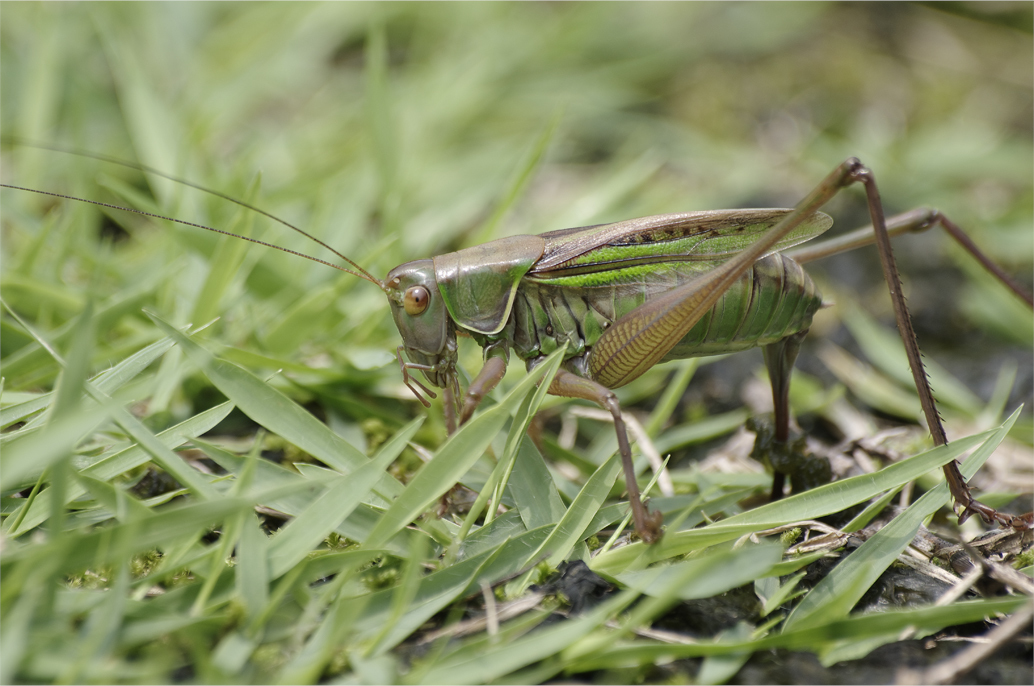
[
  {"x": 452, "y": 461},
  {"x": 571, "y": 527},
  {"x": 124, "y": 460},
  {"x": 533, "y": 490},
  {"x": 837, "y": 593},
  {"x": 858, "y": 628},
  {"x": 25, "y": 458},
  {"x": 293, "y": 542},
  {"x": 275, "y": 411},
  {"x": 811, "y": 504}
]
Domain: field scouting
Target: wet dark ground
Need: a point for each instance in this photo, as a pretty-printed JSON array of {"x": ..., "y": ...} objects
[
  {"x": 897, "y": 662},
  {"x": 1010, "y": 665}
]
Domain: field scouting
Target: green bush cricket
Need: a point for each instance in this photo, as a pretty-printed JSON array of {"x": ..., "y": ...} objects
[{"x": 626, "y": 296}]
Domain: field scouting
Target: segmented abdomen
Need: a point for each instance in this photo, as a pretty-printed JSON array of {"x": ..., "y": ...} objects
[{"x": 770, "y": 301}]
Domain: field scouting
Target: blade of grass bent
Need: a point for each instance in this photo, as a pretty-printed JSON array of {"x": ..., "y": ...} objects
[
  {"x": 269, "y": 475},
  {"x": 122, "y": 506},
  {"x": 713, "y": 572},
  {"x": 65, "y": 397},
  {"x": 108, "y": 381}
]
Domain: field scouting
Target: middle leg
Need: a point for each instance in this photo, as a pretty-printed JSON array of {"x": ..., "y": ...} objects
[
  {"x": 569, "y": 385},
  {"x": 787, "y": 458}
]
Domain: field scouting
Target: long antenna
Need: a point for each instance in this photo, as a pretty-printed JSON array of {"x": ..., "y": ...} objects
[{"x": 363, "y": 274}]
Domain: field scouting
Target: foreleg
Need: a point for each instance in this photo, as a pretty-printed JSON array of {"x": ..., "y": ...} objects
[{"x": 487, "y": 379}]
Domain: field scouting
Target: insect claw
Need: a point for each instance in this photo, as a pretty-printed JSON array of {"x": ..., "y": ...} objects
[
  {"x": 992, "y": 516},
  {"x": 423, "y": 401},
  {"x": 1023, "y": 521},
  {"x": 409, "y": 380},
  {"x": 424, "y": 388}
]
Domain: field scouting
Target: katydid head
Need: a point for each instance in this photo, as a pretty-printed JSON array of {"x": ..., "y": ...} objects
[{"x": 423, "y": 321}]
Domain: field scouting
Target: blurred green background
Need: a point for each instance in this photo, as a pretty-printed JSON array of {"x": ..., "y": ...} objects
[
  {"x": 398, "y": 131},
  {"x": 401, "y": 131}
]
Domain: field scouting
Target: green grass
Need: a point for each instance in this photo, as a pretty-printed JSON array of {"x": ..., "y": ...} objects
[{"x": 211, "y": 470}]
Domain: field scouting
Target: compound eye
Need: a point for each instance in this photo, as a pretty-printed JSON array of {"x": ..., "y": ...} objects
[{"x": 415, "y": 301}]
